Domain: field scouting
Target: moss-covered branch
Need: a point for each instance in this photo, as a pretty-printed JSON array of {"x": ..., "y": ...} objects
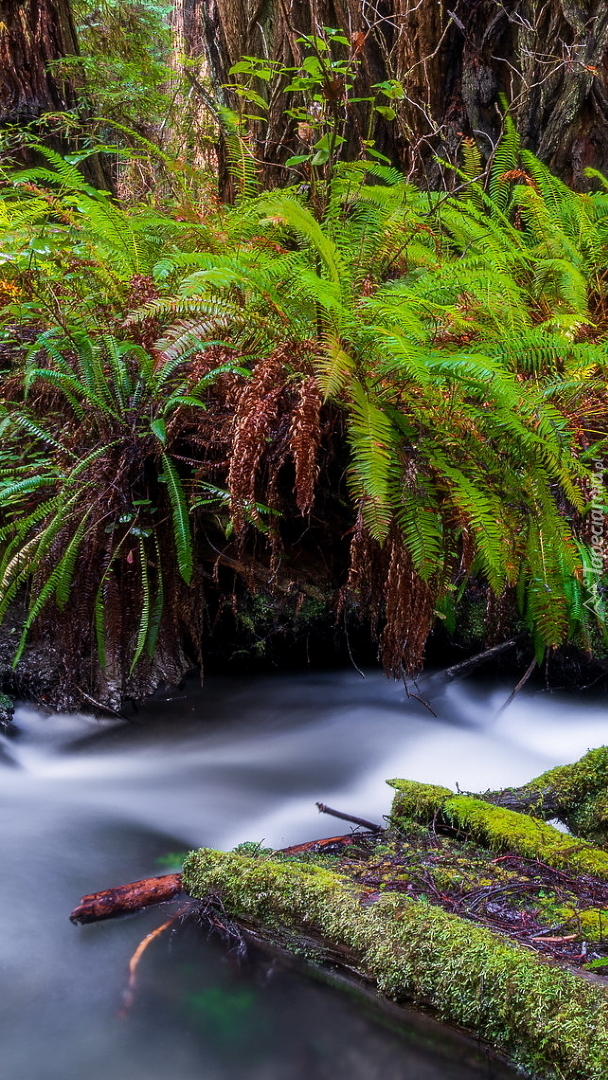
[
  {"x": 576, "y": 794},
  {"x": 497, "y": 828}
]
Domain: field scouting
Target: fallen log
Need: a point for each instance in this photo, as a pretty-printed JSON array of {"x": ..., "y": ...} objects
[
  {"x": 137, "y": 895},
  {"x": 512, "y": 946},
  {"x": 549, "y": 1020}
]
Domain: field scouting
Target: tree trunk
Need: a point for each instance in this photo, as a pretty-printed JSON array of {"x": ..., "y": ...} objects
[
  {"x": 457, "y": 61},
  {"x": 34, "y": 34}
]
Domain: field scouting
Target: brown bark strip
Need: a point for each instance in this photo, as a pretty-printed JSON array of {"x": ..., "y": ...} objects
[{"x": 317, "y": 845}]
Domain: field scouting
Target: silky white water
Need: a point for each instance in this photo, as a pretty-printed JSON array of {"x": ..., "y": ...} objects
[{"x": 88, "y": 804}]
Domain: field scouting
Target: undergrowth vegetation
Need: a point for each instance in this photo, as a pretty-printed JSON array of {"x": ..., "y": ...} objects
[{"x": 417, "y": 376}]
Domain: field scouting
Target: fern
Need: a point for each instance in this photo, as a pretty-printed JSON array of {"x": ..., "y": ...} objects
[
  {"x": 181, "y": 522},
  {"x": 144, "y": 623}
]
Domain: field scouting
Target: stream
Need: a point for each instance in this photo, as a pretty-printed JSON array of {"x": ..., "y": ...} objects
[{"x": 87, "y": 804}]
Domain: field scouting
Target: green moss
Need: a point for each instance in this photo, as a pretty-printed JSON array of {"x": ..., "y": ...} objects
[
  {"x": 507, "y": 830},
  {"x": 581, "y": 791},
  {"x": 497, "y": 828},
  {"x": 547, "y": 1019},
  {"x": 589, "y": 776},
  {"x": 420, "y": 802},
  {"x": 447, "y": 878},
  {"x": 591, "y": 925}
]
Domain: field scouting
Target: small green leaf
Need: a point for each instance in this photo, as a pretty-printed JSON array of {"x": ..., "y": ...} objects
[
  {"x": 386, "y": 111},
  {"x": 376, "y": 154},
  {"x": 159, "y": 428},
  {"x": 313, "y": 67}
]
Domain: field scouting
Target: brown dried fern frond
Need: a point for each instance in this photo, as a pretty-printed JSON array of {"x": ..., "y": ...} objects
[
  {"x": 384, "y": 584},
  {"x": 304, "y": 439},
  {"x": 255, "y": 419},
  {"x": 366, "y": 574},
  {"x": 409, "y": 611}
]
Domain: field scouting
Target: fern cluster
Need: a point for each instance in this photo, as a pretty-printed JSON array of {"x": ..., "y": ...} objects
[{"x": 188, "y": 378}]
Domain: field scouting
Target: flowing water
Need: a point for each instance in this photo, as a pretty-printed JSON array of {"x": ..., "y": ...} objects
[{"x": 87, "y": 804}]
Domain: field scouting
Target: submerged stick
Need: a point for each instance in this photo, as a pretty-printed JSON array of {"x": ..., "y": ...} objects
[{"x": 128, "y": 996}]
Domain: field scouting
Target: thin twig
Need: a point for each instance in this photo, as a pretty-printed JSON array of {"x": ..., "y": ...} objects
[
  {"x": 323, "y": 809},
  {"x": 522, "y": 682}
]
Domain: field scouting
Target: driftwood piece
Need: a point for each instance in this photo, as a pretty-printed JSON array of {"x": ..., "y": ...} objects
[
  {"x": 456, "y": 671},
  {"x": 127, "y": 898},
  {"x": 326, "y": 844}
]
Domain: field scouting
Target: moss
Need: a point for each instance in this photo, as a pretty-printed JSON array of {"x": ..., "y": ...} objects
[
  {"x": 497, "y": 828},
  {"x": 547, "y": 1019},
  {"x": 507, "y": 830},
  {"x": 592, "y": 924},
  {"x": 420, "y": 802},
  {"x": 572, "y": 783},
  {"x": 581, "y": 792},
  {"x": 590, "y": 819},
  {"x": 447, "y": 878}
]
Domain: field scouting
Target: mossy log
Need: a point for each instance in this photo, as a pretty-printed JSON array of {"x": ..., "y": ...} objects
[
  {"x": 489, "y": 916},
  {"x": 497, "y": 828},
  {"x": 415, "y": 911},
  {"x": 550, "y": 1021},
  {"x": 575, "y": 794}
]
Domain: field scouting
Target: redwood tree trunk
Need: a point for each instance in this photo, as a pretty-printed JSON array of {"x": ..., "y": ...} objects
[
  {"x": 457, "y": 60},
  {"x": 33, "y": 34}
]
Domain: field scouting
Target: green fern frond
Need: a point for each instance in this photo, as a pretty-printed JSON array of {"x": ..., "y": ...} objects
[
  {"x": 181, "y": 522},
  {"x": 372, "y": 439},
  {"x": 144, "y": 622}
]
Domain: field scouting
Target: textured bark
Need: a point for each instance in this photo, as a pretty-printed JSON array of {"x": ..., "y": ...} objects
[
  {"x": 549, "y": 58},
  {"x": 34, "y": 34}
]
